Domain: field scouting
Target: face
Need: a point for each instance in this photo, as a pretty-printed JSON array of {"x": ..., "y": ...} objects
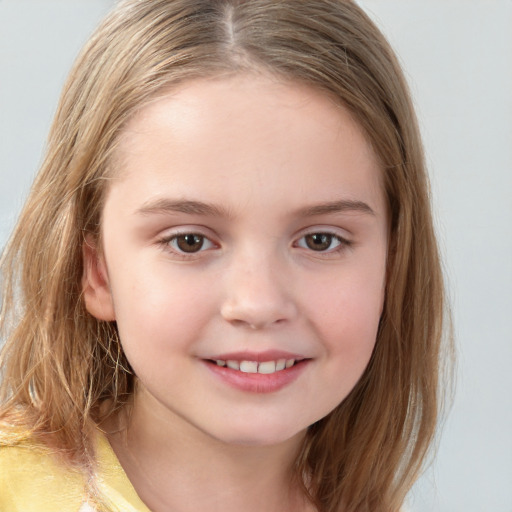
[{"x": 243, "y": 259}]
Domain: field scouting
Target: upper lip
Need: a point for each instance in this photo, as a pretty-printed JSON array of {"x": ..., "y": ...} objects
[{"x": 259, "y": 357}]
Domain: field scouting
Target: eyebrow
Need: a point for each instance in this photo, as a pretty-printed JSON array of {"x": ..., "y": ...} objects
[
  {"x": 341, "y": 206},
  {"x": 165, "y": 206},
  {"x": 190, "y": 207}
]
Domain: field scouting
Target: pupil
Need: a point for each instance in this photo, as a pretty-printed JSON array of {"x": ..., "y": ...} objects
[
  {"x": 318, "y": 241},
  {"x": 190, "y": 243}
]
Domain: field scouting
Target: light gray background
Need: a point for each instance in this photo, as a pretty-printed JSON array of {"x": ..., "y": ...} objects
[{"x": 458, "y": 58}]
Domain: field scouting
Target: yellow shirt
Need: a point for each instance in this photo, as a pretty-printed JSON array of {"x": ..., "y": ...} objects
[{"x": 31, "y": 480}]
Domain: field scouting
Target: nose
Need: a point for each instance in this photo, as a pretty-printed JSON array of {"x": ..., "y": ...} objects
[{"x": 258, "y": 294}]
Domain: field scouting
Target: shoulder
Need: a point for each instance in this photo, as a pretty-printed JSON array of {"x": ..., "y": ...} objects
[{"x": 31, "y": 479}]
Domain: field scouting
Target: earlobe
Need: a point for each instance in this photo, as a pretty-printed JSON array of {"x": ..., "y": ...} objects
[{"x": 95, "y": 284}]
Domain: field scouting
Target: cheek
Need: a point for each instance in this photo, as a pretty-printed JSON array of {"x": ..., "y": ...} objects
[
  {"x": 159, "y": 313},
  {"x": 344, "y": 317},
  {"x": 347, "y": 318}
]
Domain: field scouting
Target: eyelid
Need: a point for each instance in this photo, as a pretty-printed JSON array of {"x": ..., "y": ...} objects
[
  {"x": 344, "y": 241},
  {"x": 166, "y": 239},
  {"x": 206, "y": 241},
  {"x": 336, "y": 231},
  {"x": 334, "y": 238}
]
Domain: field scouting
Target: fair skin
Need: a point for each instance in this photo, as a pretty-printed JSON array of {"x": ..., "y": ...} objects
[{"x": 246, "y": 223}]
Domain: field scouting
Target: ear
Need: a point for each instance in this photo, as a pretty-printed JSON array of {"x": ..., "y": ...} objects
[{"x": 95, "y": 284}]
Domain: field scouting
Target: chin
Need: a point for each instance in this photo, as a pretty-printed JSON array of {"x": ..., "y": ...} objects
[{"x": 259, "y": 436}]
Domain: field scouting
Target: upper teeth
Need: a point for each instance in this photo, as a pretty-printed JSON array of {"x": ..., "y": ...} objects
[{"x": 255, "y": 367}]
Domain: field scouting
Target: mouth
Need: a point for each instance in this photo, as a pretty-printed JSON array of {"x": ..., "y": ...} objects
[
  {"x": 257, "y": 372},
  {"x": 262, "y": 367}
]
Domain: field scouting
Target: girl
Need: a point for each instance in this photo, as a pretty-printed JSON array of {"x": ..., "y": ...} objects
[{"x": 224, "y": 291}]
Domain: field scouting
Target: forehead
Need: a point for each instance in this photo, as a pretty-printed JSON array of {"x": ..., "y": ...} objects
[{"x": 224, "y": 134}]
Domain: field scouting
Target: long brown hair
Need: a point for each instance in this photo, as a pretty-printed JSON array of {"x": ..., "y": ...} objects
[{"x": 60, "y": 364}]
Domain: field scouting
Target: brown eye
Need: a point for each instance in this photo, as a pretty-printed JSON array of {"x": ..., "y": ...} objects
[
  {"x": 318, "y": 241},
  {"x": 321, "y": 242},
  {"x": 188, "y": 243}
]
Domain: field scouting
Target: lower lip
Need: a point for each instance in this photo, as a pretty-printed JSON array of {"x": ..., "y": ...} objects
[{"x": 258, "y": 382}]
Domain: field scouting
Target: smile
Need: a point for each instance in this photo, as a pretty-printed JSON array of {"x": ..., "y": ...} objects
[
  {"x": 265, "y": 367},
  {"x": 264, "y": 372}
]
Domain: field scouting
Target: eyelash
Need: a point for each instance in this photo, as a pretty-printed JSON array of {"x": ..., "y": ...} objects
[
  {"x": 168, "y": 241},
  {"x": 343, "y": 243}
]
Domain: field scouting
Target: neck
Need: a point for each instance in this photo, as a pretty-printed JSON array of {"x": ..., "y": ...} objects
[{"x": 175, "y": 466}]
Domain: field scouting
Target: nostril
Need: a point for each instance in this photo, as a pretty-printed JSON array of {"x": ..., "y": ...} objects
[
  {"x": 256, "y": 325},
  {"x": 258, "y": 313}
]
